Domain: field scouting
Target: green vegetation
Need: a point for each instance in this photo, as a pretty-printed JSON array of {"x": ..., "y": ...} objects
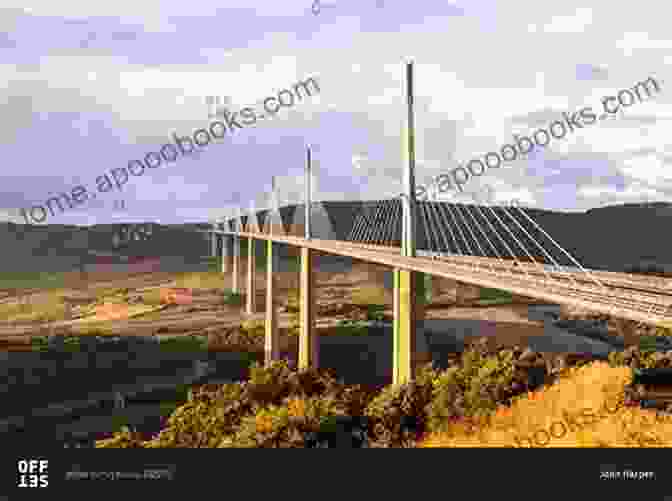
[
  {"x": 32, "y": 280},
  {"x": 232, "y": 298},
  {"x": 647, "y": 343},
  {"x": 352, "y": 327},
  {"x": 41, "y": 343},
  {"x": 375, "y": 312},
  {"x": 495, "y": 295},
  {"x": 428, "y": 288},
  {"x": 279, "y": 406},
  {"x": 184, "y": 343},
  {"x": 178, "y": 343}
]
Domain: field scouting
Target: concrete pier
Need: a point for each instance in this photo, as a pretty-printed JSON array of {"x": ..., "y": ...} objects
[
  {"x": 226, "y": 253},
  {"x": 410, "y": 347},
  {"x": 272, "y": 338},
  {"x": 236, "y": 265},
  {"x": 250, "y": 289},
  {"x": 308, "y": 336}
]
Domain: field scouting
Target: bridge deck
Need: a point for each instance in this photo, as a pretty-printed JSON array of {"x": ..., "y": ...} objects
[{"x": 619, "y": 294}]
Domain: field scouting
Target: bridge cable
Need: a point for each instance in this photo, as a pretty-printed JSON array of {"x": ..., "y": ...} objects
[
  {"x": 518, "y": 242},
  {"x": 448, "y": 209},
  {"x": 508, "y": 249},
  {"x": 359, "y": 224},
  {"x": 389, "y": 220},
  {"x": 390, "y": 228},
  {"x": 563, "y": 250},
  {"x": 475, "y": 239},
  {"x": 363, "y": 221},
  {"x": 370, "y": 226},
  {"x": 540, "y": 246},
  {"x": 432, "y": 212},
  {"x": 427, "y": 230},
  {"x": 484, "y": 235}
]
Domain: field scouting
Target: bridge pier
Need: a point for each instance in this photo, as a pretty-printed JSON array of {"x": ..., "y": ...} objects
[
  {"x": 272, "y": 338},
  {"x": 308, "y": 335},
  {"x": 226, "y": 253},
  {"x": 251, "y": 268},
  {"x": 213, "y": 243},
  {"x": 627, "y": 329},
  {"x": 236, "y": 265},
  {"x": 460, "y": 293},
  {"x": 410, "y": 346}
]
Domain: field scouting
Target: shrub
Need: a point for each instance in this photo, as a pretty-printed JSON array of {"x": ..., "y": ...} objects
[
  {"x": 293, "y": 308},
  {"x": 472, "y": 389},
  {"x": 283, "y": 426},
  {"x": 494, "y": 294},
  {"x": 293, "y": 300},
  {"x": 375, "y": 312},
  {"x": 276, "y": 407},
  {"x": 125, "y": 439},
  {"x": 351, "y": 327},
  {"x": 184, "y": 343},
  {"x": 236, "y": 339},
  {"x": 640, "y": 359},
  {"x": 232, "y": 298},
  {"x": 254, "y": 327},
  {"x": 281, "y": 407},
  {"x": 397, "y": 415}
]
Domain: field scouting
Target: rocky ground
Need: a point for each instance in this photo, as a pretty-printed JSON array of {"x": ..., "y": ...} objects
[{"x": 127, "y": 309}]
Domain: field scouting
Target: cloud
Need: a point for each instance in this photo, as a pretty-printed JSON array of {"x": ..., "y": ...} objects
[{"x": 482, "y": 75}]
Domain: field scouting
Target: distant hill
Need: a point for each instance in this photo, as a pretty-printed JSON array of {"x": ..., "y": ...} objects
[
  {"x": 618, "y": 238},
  {"x": 64, "y": 247}
]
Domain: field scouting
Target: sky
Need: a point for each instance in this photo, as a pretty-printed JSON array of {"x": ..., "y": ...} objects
[{"x": 89, "y": 86}]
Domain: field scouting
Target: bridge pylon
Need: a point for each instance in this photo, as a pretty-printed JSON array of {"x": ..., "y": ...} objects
[
  {"x": 251, "y": 293},
  {"x": 408, "y": 285},
  {"x": 272, "y": 337},
  {"x": 308, "y": 336},
  {"x": 236, "y": 255},
  {"x": 226, "y": 251}
]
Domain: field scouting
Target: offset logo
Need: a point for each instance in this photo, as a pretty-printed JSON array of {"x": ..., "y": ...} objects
[{"x": 33, "y": 473}]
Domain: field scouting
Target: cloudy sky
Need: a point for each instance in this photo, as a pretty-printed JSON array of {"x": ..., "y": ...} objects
[{"x": 89, "y": 86}]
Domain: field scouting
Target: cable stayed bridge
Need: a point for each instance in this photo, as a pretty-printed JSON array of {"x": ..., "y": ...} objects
[
  {"x": 450, "y": 248},
  {"x": 488, "y": 246}
]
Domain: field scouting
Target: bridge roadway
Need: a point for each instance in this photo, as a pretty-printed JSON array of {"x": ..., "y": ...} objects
[{"x": 642, "y": 299}]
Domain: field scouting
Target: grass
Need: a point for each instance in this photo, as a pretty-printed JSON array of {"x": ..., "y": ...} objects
[
  {"x": 40, "y": 343},
  {"x": 351, "y": 328},
  {"x": 497, "y": 295},
  {"x": 232, "y": 298},
  {"x": 179, "y": 343},
  {"x": 184, "y": 343},
  {"x": 33, "y": 280},
  {"x": 494, "y": 302}
]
